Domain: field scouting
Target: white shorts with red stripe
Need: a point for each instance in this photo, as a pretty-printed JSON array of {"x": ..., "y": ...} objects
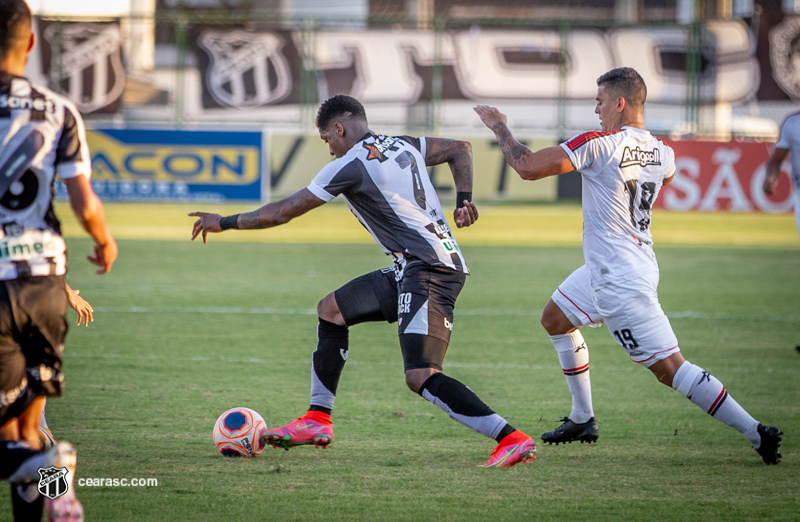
[{"x": 629, "y": 308}]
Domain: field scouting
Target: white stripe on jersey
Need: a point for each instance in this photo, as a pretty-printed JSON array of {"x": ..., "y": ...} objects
[
  {"x": 36, "y": 116},
  {"x": 622, "y": 173},
  {"x": 385, "y": 182}
]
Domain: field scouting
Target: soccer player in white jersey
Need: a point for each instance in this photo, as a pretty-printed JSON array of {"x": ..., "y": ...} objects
[
  {"x": 788, "y": 143},
  {"x": 41, "y": 136},
  {"x": 622, "y": 169},
  {"x": 385, "y": 182}
]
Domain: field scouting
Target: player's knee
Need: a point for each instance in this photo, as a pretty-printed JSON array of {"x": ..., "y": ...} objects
[
  {"x": 328, "y": 310},
  {"x": 555, "y": 323},
  {"x": 416, "y": 378}
]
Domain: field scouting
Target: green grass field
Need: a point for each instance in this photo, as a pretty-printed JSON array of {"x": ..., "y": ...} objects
[{"x": 184, "y": 331}]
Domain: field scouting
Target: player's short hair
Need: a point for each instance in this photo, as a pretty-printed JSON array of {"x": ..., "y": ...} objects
[
  {"x": 625, "y": 82},
  {"x": 15, "y": 25},
  {"x": 338, "y": 105}
]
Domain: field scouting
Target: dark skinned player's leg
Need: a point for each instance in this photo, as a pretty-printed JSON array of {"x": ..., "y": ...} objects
[{"x": 371, "y": 297}]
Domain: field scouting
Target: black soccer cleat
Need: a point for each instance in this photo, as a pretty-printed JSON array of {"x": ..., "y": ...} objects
[
  {"x": 569, "y": 431},
  {"x": 770, "y": 443}
]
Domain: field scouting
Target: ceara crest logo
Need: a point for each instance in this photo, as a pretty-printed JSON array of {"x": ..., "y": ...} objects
[{"x": 53, "y": 482}]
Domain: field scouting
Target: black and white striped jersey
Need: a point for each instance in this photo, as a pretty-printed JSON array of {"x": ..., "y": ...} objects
[
  {"x": 385, "y": 183},
  {"x": 42, "y": 135}
]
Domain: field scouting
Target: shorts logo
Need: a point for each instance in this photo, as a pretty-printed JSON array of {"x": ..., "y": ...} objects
[
  {"x": 448, "y": 324},
  {"x": 642, "y": 158},
  {"x": 343, "y": 353},
  {"x": 404, "y": 303},
  {"x": 53, "y": 482}
]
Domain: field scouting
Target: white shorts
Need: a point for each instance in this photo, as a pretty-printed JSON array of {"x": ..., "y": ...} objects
[
  {"x": 629, "y": 308},
  {"x": 797, "y": 208}
]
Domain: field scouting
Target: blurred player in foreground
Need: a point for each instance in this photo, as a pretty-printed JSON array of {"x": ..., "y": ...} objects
[
  {"x": 85, "y": 315},
  {"x": 41, "y": 136},
  {"x": 385, "y": 182},
  {"x": 622, "y": 168},
  {"x": 788, "y": 143}
]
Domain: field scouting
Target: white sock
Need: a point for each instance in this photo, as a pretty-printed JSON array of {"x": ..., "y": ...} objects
[
  {"x": 574, "y": 358},
  {"x": 710, "y": 395}
]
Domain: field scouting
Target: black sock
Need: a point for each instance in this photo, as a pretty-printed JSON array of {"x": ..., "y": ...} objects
[
  {"x": 462, "y": 404},
  {"x": 328, "y": 363},
  {"x": 24, "y": 509}
]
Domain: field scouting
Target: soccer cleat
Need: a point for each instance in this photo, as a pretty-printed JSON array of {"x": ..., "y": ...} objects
[
  {"x": 514, "y": 448},
  {"x": 770, "y": 442},
  {"x": 569, "y": 431},
  {"x": 67, "y": 507},
  {"x": 299, "y": 433}
]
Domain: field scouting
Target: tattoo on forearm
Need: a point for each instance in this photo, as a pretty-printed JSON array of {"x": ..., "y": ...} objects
[
  {"x": 249, "y": 220},
  {"x": 458, "y": 157},
  {"x": 513, "y": 150}
]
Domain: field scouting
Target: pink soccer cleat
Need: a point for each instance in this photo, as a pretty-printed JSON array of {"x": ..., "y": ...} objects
[
  {"x": 303, "y": 431},
  {"x": 515, "y": 447}
]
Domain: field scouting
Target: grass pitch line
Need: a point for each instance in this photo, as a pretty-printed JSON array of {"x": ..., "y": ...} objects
[
  {"x": 487, "y": 366},
  {"x": 478, "y": 312}
]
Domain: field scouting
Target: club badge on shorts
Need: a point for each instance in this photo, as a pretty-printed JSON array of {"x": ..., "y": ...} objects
[{"x": 53, "y": 482}]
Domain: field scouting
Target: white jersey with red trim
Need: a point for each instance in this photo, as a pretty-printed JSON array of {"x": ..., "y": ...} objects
[
  {"x": 790, "y": 140},
  {"x": 622, "y": 173}
]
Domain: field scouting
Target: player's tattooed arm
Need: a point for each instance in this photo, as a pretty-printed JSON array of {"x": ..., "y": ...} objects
[
  {"x": 529, "y": 165},
  {"x": 280, "y": 212},
  {"x": 270, "y": 215},
  {"x": 458, "y": 156}
]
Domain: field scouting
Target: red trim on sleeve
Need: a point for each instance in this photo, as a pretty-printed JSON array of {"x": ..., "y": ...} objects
[{"x": 582, "y": 139}]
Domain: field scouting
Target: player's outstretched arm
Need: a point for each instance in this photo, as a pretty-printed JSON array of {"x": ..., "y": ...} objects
[
  {"x": 774, "y": 169},
  {"x": 531, "y": 166},
  {"x": 89, "y": 211},
  {"x": 268, "y": 216},
  {"x": 80, "y": 305},
  {"x": 458, "y": 156}
]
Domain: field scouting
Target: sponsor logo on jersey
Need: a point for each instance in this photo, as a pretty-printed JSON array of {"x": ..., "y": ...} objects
[
  {"x": 247, "y": 69},
  {"x": 29, "y": 103},
  {"x": 642, "y": 158},
  {"x": 377, "y": 150}
]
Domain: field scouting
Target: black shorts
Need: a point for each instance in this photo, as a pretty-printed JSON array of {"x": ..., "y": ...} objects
[
  {"x": 33, "y": 327},
  {"x": 422, "y": 303}
]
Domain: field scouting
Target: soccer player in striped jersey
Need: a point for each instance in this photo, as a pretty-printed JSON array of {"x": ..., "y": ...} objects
[
  {"x": 41, "y": 136},
  {"x": 385, "y": 182},
  {"x": 623, "y": 168}
]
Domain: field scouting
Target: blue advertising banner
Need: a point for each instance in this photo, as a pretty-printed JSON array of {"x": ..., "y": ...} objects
[{"x": 175, "y": 165}]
